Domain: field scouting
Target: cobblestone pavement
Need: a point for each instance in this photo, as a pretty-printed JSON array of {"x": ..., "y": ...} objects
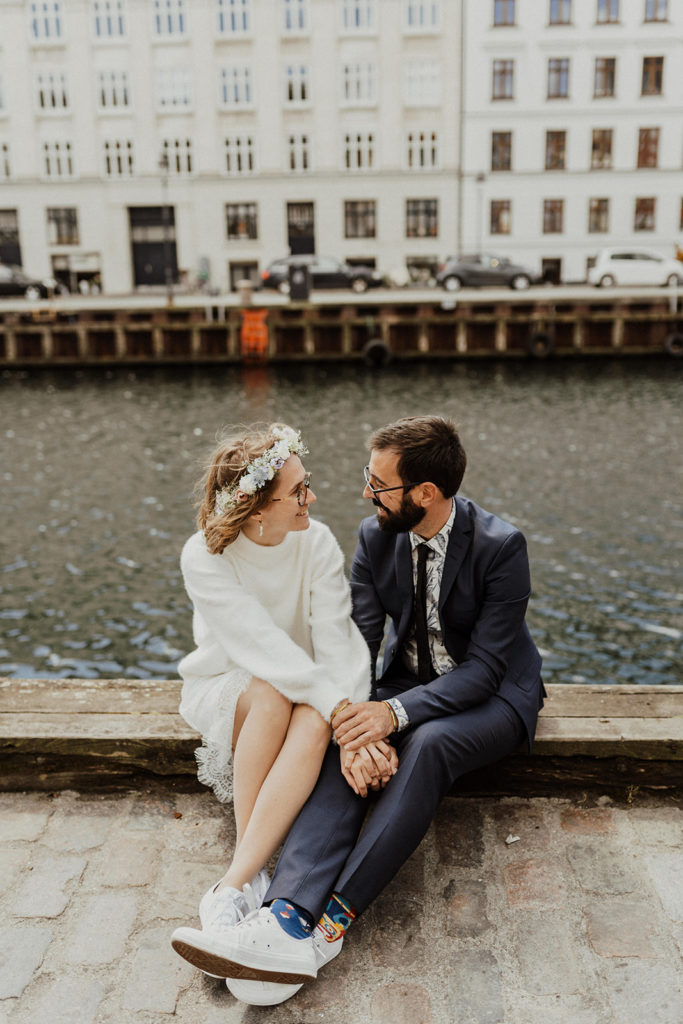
[{"x": 579, "y": 922}]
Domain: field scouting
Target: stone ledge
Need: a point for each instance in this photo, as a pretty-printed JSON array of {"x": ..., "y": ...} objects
[{"x": 104, "y": 733}]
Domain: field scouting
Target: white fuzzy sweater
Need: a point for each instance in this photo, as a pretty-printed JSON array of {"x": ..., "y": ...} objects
[{"x": 279, "y": 613}]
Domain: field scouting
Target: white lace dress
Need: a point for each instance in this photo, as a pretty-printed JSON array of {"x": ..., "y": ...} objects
[{"x": 279, "y": 613}]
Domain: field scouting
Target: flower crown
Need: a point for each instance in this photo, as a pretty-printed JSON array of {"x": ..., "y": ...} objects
[{"x": 261, "y": 470}]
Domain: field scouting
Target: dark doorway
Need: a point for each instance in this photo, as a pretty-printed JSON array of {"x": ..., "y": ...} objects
[
  {"x": 10, "y": 250},
  {"x": 551, "y": 271},
  {"x": 153, "y": 244},
  {"x": 300, "y": 228}
]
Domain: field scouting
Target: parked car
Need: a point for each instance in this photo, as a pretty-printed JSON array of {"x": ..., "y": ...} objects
[
  {"x": 325, "y": 271},
  {"x": 13, "y": 281},
  {"x": 482, "y": 270},
  {"x": 634, "y": 266}
]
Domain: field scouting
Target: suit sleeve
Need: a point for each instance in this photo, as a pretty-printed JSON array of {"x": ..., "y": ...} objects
[
  {"x": 507, "y": 588},
  {"x": 368, "y": 611}
]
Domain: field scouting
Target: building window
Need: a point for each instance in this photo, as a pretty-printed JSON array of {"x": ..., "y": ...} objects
[
  {"x": 118, "y": 158},
  {"x": 241, "y": 221},
  {"x": 359, "y": 151},
  {"x": 422, "y": 151},
  {"x": 608, "y": 11},
  {"x": 10, "y": 247},
  {"x": 500, "y": 217},
  {"x": 358, "y": 15},
  {"x": 174, "y": 90},
  {"x": 560, "y": 12},
  {"x": 648, "y": 146},
  {"x": 558, "y": 78},
  {"x": 605, "y": 74},
  {"x": 601, "y": 149},
  {"x": 359, "y": 83},
  {"x": 113, "y": 91},
  {"x": 656, "y": 10},
  {"x": 501, "y": 151},
  {"x": 422, "y": 83},
  {"x": 51, "y": 91},
  {"x": 598, "y": 216},
  {"x": 421, "y": 15},
  {"x": 359, "y": 218},
  {"x": 294, "y": 16},
  {"x": 234, "y": 17},
  {"x": 503, "y": 12},
  {"x": 5, "y": 169},
  {"x": 62, "y": 226},
  {"x": 239, "y": 154},
  {"x": 179, "y": 155},
  {"x": 298, "y": 151},
  {"x": 422, "y": 218},
  {"x": 644, "y": 219},
  {"x": 58, "y": 160},
  {"x": 46, "y": 20},
  {"x": 170, "y": 18},
  {"x": 503, "y": 80},
  {"x": 109, "y": 18},
  {"x": 555, "y": 150},
  {"x": 653, "y": 73},
  {"x": 297, "y": 89},
  {"x": 235, "y": 88},
  {"x": 553, "y": 216}
]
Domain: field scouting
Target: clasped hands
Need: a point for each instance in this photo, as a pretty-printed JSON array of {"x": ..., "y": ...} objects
[{"x": 367, "y": 760}]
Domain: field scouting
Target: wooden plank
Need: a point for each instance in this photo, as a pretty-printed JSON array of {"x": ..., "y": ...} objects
[
  {"x": 582, "y": 701},
  {"x": 46, "y": 696},
  {"x": 23, "y": 725}
]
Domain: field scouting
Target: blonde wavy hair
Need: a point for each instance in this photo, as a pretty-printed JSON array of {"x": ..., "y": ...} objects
[{"x": 236, "y": 448}]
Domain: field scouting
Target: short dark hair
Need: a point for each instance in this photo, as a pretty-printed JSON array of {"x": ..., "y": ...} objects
[{"x": 429, "y": 450}]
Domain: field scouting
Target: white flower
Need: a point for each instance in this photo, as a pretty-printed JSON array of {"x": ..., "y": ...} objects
[{"x": 248, "y": 484}]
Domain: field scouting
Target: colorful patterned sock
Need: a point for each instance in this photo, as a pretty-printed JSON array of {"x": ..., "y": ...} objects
[
  {"x": 294, "y": 920},
  {"x": 337, "y": 916}
]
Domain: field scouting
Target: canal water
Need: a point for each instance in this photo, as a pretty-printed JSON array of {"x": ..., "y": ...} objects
[{"x": 98, "y": 470}]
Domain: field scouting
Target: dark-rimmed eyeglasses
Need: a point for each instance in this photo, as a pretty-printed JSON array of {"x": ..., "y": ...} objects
[
  {"x": 382, "y": 490},
  {"x": 301, "y": 493}
]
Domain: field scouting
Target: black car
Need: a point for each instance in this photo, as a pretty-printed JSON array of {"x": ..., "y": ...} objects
[
  {"x": 13, "y": 281},
  {"x": 325, "y": 272},
  {"x": 482, "y": 271}
]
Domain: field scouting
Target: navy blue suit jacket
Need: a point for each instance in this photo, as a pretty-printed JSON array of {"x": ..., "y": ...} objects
[{"x": 485, "y": 589}]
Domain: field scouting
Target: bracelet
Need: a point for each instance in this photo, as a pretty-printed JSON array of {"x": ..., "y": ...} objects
[
  {"x": 394, "y": 717},
  {"x": 339, "y": 707}
]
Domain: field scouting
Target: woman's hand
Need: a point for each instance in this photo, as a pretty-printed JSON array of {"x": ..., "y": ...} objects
[
  {"x": 370, "y": 767},
  {"x": 362, "y": 723}
]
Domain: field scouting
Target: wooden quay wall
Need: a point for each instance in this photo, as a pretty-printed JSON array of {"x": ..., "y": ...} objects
[
  {"x": 109, "y": 734},
  {"x": 549, "y": 322}
]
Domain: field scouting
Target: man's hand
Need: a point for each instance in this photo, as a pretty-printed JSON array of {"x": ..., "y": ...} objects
[
  {"x": 365, "y": 722},
  {"x": 371, "y": 767}
]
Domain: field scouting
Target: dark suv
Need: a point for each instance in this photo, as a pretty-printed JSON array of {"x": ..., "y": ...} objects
[
  {"x": 482, "y": 271},
  {"x": 325, "y": 272}
]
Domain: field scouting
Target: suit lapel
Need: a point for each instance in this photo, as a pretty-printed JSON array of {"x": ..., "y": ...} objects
[
  {"x": 404, "y": 581},
  {"x": 458, "y": 545}
]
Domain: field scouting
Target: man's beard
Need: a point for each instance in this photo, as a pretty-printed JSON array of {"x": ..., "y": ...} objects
[{"x": 408, "y": 516}]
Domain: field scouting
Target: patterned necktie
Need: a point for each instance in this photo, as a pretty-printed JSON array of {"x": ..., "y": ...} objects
[{"x": 424, "y": 661}]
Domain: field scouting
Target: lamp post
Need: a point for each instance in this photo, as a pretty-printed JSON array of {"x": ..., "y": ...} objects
[
  {"x": 480, "y": 179},
  {"x": 166, "y": 223}
]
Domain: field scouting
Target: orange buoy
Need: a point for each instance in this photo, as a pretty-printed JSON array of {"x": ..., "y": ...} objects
[{"x": 254, "y": 336}]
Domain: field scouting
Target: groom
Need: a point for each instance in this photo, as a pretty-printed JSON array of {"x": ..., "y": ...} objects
[{"x": 460, "y": 687}]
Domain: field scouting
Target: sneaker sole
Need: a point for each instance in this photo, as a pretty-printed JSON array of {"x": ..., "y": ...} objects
[{"x": 222, "y": 967}]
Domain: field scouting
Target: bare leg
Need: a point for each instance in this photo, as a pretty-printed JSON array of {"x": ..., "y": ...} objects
[
  {"x": 262, "y": 719},
  {"x": 282, "y": 794}
]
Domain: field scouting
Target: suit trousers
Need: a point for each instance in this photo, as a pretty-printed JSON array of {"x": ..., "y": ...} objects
[{"x": 326, "y": 851}]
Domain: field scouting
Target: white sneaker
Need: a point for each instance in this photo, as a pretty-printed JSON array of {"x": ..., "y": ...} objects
[
  {"x": 257, "y": 949},
  {"x": 255, "y": 891},
  {"x": 217, "y": 912},
  {"x": 269, "y": 993}
]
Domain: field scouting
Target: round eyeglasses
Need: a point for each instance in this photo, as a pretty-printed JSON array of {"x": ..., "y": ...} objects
[
  {"x": 382, "y": 490},
  {"x": 301, "y": 493}
]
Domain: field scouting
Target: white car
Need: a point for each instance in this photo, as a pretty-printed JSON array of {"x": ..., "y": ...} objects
[{"x": 634, "y": 266}]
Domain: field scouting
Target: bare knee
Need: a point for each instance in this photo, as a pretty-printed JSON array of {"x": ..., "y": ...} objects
[
  {"x": 312, "y": 728},
  {"x": 264, "y": 701}
]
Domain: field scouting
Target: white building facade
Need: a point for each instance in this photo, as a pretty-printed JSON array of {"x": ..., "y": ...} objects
[{"x": 212, "y": 136}]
